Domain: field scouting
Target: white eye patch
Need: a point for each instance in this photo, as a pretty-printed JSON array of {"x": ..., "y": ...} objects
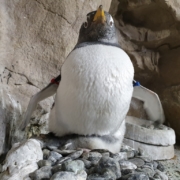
[{"x": 111, "y": 19}]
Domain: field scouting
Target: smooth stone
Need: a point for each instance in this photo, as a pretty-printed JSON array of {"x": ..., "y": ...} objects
[
  {"x": 154, "y": 152},
  {"x": 94, "y": 156},
  {"x": 73, "y": 166},
  {"x": 127, "y": 165},
  {"x": 160, "y": 175},
  {"x": 42, "y": 173},
  {"x": 22, "y": 159},
  {"x": 155, "y": 165},
  {"x": 42, "y": 163},
  {"x": 106, "y": 175},
  {"x": 62, "y": 160},
  {"x": 65, "y": 152},
  {"x": 160, "y": 167},
  {"x": 63, "y": 175},
  {"x": 87, "y": 163},
  {"x": 46, "y": 153},
  {"x": 126, "y": 171},
  {"x": 135, "y": 131},
  {"x": 56, "y": 168},
  {"x": 56, "y": 155},
  {"x": 108, "y": 163},
  {"x": 75, "y": 154},
  {"x": 137, "y": 161},
  {"x": 135, "y": 176},
  {"x": 148, "y": 171},
  {"x": 81, "y": 175},
  {"x": 52, "y": 148},
  {"x": 119, "y": 156}
]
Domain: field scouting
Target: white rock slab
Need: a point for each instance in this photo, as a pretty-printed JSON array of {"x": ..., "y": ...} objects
[
  {"x": 21, "y": 160},
  {"x": 154, "y": 152},
  {"x": 136, "y": 130}
]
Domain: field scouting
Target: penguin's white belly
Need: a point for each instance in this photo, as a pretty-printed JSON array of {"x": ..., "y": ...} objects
[{"x": 95, "y": 90}]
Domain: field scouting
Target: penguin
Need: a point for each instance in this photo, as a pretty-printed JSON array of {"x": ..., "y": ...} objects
[{"x": 95, "y": 88}]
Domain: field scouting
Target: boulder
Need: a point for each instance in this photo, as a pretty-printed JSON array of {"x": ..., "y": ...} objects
[{"x": 21, "y": 160}]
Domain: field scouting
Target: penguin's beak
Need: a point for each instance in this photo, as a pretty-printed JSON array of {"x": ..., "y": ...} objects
[{"x": 100, "y": 16}]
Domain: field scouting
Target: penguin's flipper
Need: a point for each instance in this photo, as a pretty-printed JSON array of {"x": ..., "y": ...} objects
[
  {"x": 48, "y": 91},
  {"x": 152, "y": 103}
]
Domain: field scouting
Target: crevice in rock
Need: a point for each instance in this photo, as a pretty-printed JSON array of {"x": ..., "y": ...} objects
[
  {"x": 49, "y": 10},
  {"x": 28, "y": 81}
]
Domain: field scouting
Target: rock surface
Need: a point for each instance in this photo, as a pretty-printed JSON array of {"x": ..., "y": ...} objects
[
  {"x": 21, "y": 160},
  {"x": 35, "y": 38}
]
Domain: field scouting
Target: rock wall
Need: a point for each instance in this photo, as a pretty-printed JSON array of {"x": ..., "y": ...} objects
[
  {"x": 149, "y": 32},
  {"x": 35, "y": 38},
  {"x": 37, "y": 35}
]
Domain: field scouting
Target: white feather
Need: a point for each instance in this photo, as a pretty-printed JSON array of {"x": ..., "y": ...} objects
[{"x": 94, "y": 93}]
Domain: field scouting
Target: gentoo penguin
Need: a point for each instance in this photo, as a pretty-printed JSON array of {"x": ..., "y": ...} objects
[{"x": 95, "y": 88}]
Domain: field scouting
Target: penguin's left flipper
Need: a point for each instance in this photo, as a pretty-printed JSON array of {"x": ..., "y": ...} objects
[
  {"x": 48, "y": 91},
  {"x": 152, "y": 103}
]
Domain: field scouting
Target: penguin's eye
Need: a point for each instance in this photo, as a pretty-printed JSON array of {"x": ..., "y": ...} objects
[
  {"x": 111, "y": 23},
  {"x": 85, "y": 24}
]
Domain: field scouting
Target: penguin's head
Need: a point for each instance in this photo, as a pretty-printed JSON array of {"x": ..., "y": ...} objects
[{"x": 99, "y": 27}]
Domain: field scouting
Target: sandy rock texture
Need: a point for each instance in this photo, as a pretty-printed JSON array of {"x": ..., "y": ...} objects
[
  {"x": 149, "y": 32},
  {"x": 35, "y": 38}
]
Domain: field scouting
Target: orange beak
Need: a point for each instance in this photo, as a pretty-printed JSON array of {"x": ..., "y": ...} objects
[{"x": 100, "y": 16}]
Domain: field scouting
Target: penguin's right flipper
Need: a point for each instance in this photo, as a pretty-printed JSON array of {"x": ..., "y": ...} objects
[{"x": 48, "y": 91}]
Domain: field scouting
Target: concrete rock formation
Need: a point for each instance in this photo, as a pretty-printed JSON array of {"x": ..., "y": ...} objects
[{"x": 35, "y": 38}]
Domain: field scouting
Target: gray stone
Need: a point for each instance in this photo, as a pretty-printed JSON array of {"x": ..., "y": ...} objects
[
  {"x": 56, "y": 168},
  {"x": 108, "y": 163},
  {"x": 135, "y": 176},
  {"x": 42, "y": 163},
  {"x": 137, "y": 161},
  {"x": 75, "y": 154},
  {"x": 73, "y": 166},
  {"x": 160, "y": 175},
  {"x": 54, "y": 157},
  {"x": 119, "y": 156},
  {"x": 46, "y": 153},
  {"x": 42, "y": 173},
  {"x": 94, "y": 156},
  {"x": 148, "y": 171},
  {"x": 154, "y": 152},
  {"x": 63, "y": 159},
  {"x": 22, "y": 159},
  {"x": 63, "y": 175},
  {"x": 160, "y": 166},
  {"x": 87, "y": 163},
  {"x": 127, "y": 165}
]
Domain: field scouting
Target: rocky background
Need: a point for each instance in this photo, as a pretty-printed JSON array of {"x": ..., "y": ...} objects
[{"x": 37, "y": 35}]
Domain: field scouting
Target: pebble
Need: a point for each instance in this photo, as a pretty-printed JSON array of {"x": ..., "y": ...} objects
[
  {"x": 63, "y": 175},
  {"x": 42, "y": 173},
  {"x": 128, "y": 164},
  {"x": 108, "y": 163},
  {"x": 42, "y": 163},
  {"x": 73, "y": 166},
  {"x": 137, "y": 161}
]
